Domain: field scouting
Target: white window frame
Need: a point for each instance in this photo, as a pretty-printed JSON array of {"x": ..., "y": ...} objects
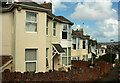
[
  {"x": 54, "y": 29},
  {"x": 32, "y": 60},
  {"x": 78, "y": 43},
  {"x": 47, "y": 57},
  {"x": 74, "y": 43},
  {"x": 65, "y": 31},
  {"x": 47, "y": 24},
  {"x": 83, "y": 44},
  {"x": 31, "y": 21},
  {"x": 66, "y": 57},
  {"x": 69, "y": 31}
]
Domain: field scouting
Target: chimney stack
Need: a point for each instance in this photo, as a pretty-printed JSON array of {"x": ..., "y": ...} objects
[
  {"x": 81, "y": 31},
  {"x": 47, "y": 5},
  {"x": 44, "y": 2},
  {"x": 77, "y": 29}
]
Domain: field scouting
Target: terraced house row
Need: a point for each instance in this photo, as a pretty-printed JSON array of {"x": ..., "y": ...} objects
[
  {"x": 82, "y": 46},
  {"x": 36, "y": 40}
]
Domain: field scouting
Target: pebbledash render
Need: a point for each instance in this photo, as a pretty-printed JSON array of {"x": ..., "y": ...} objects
[{"x": 35, "y": 37}]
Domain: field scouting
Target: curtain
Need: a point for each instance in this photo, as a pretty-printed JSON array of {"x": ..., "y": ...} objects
[
  {"x": 31, "y": 19},
  {"x": 30, "y": 66},
  {"x": 30, "y": 54},
  {"x": 31, "y": 16},
  {"x": 32, "y": 27}
]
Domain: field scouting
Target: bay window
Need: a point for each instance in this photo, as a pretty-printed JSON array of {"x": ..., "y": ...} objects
[
  {"x": 54, "y": 28},
  {"x": 30, "y": 60},
  {"x": 69, "y": 32},
  {"x": 64, "y": 31},
  {"x": 84, "y": 44},
  {"x": 78, "y": 43},
  {"x": 66, "y": 58},
  {"x": 69, "y": 55},
  {"x": 47, "y": 65},
  {"x": 47, "y": 27},
  {"x": 74, "y": 43},
  {"x": 31, "y": 22}
]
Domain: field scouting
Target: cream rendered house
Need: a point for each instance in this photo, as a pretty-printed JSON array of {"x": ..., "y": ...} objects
[
  {"x": 92, "y": 48},
  {"x": 31, "y": 35},
  {"x": 79, "y": 45},
  {"x": 66, "y": 41}
]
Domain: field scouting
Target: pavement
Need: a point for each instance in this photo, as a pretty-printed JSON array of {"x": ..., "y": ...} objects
[{"x": 111, "y": 77}]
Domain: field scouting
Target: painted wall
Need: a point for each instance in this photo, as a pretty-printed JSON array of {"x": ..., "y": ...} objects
[
  {"x": 79, "y": 52},
  {"x": 16, "y": 39},
  {"x": 6, "y": 33},
  {"x": 50, "y": 40}
]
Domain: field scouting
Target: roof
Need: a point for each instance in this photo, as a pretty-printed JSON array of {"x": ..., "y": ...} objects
[
  {"x": 30, "y": 4},
  {"x": 4, "y": 59},
  {"x": 76, "y": 34},
  {"x": 36, "y": 7},
  {"x": 63, "y": 18},
  {"x": 59, "y": 48}
]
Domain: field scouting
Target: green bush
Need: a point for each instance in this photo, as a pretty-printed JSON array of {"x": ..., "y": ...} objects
[{"x": 109, "y": 57}]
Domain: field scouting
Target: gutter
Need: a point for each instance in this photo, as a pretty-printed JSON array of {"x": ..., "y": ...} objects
[
  {"x": 58, "y": 19},
  {"x": 24, "y": 7}
]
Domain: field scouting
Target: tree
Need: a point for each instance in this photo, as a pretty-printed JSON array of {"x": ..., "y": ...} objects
[{"x": 109, "y": 57}]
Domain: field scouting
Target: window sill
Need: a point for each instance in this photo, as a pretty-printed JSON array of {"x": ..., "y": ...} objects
[
  {"x": 48, "y": 35},
  {"x": 32, "y": 32},
  {"x": 73, "y": 49},
  {"x": 54, "y": 36}
]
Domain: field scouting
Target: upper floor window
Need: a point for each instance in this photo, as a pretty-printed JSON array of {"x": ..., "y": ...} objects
[
  {"x": 74, "y": 43},
  {"x": 69, "y": 32},
  {"x": 54, "y": 28},
  {"x": 78, "y": 43},
  {"x": 31, "y": 22},
  {"x": 47, "y": 27},
  {"x": 83, "y": 44},
  {"x": 74, "y": 40},
  {"x": 64, "y": 31}
]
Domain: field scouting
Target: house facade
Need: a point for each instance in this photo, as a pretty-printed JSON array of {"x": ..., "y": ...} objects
[
  {"x": 32, "y": 37},
  {"x": 79, "y": 45},
  {"x": 100, "y": 50},
  {"x": 92, "y": 48},
  {"x": 66, "y": 41}
]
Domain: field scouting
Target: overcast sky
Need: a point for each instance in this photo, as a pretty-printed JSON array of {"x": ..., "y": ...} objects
[{"x": 100, "y": 17}]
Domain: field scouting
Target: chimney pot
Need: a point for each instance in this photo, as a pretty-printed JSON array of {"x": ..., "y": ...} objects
[{"x": 44, "y": 2}]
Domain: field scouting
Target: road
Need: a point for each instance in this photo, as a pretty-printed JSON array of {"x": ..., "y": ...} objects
[{"x": 110, "y": 77}]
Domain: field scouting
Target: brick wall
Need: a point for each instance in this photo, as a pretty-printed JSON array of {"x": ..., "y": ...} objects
[{"x": 79, "y": 72}]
